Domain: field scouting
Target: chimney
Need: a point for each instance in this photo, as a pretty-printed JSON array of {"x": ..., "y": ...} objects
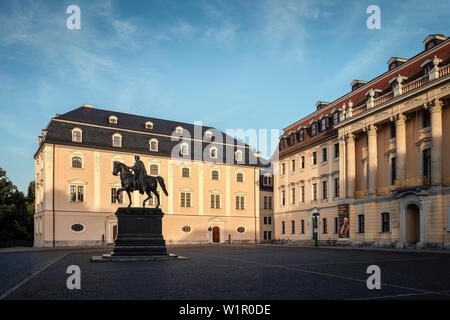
[
  {"x": 357, "y": 84},
  {"x": 87, "y": 106},
  {"x": 395, "y": 62},
  {"x": 433, "y": 40}
]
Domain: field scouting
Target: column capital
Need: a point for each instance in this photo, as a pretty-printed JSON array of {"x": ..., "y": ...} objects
[
  {"x": 371, "y": 129},
  {"x": 400, "y": 119},
  {"x": 350, "y": 138},
  {"x": 436, "y": 106}
]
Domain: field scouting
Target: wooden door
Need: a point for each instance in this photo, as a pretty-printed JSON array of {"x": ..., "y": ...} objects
[{"x": 216, "y": 234}]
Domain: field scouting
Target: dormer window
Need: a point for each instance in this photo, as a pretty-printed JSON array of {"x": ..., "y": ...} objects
[
  {"x": 213, "y": 153},
  {"x": 184, "y": 149},
  {"x": 117, "y": 140},
  {"x": 301, "y": 134},
  {"x": 149, "y": 125},
  {"x": 77, "y": 135},
  {"x": 238, "y": 155},
  {"x": 179, "y": 129},
  {"x": 291, "y": 139},
  {"x": 208, "y": 135},
  {"x": 313, "y": 129},
  {"x": 153, "y": 144},
  {"x": 113, "y": 120},
  {"x": 323, "y": 124},
  {"x": 335, "y": 117}
]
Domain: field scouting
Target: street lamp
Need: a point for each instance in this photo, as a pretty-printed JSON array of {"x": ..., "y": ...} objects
[{"x": 316, "y": 228}]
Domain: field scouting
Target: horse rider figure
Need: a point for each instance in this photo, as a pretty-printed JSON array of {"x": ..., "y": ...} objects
[{"x": 140, "y": 175}]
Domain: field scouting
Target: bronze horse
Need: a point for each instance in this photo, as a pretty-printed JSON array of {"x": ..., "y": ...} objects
[{"x": 126, "y": 178}]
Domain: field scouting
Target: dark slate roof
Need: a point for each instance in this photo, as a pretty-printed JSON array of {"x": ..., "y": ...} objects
[{"x": 60, "y": 132}]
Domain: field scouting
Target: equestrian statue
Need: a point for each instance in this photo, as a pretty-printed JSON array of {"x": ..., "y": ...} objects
[{"x": 139, "y": 181}]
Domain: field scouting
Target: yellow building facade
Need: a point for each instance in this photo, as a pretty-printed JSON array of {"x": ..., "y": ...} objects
[
  {"x": 210, "y": 200},
  {"x": 386, "y": 174}
]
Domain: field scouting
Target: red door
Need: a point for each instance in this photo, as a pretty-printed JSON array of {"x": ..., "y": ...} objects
[
  {"x": 114, "y": 232},
  {"x": 216, "y": 234}
]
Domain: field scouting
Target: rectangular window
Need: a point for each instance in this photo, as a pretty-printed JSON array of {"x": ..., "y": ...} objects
[
  {"x": 302, "y": 161},
  {"x": 426, "y": 118},
  {"x": 336, "y": 187},
  {"x": 292, "y": 226},
  {"x": 324, "y": 189},
  {"x": 323, "y": 124},
  {"x": 427, "y": 165},
  {"x": 392, "y": 130},
  {"x": 240, "y": 202},
  {"x": 76, "y": 193},
  {"x": 361, "y": 223},
  {"x": 269, "y": 235},
  {"x": 335, "y": 225},
  {"x": 293, "y": 165},
  {"x": 314, "y": 187},
  {"x": 185, "y": 199},
  {"x": 73, "y": 193},
  {"x": 269, "y": 220},
  {"x": 324, "y": 154},
  {"x": 293, "y": 195},
  {"x": 302, "y": 226},
  {"x": 283, "y": 168},
  {"x": 265, "y": 220},
  {"x": 215, "y": 201},
  {"x": 336, "y": 150},
  {"x": 385, "y": 227},
  {"x": 269, "y": 203},
  {"x": 313, "y": 129},
  {"x": 324, "y": 225},
  {"x": 283, "y": 198},
  {"x": 314, "y": 158},
  {"x": 265, "y": 235},
  {"x": 80, "y": 197},
  {"x": 393, "y": 170},
  {"x": 113, "y": 196},
  {"x": 283, "y": 231},
  {"x": 302, "y": 194}
]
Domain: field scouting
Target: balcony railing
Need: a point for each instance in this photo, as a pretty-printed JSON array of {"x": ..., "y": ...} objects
[
  {"x": 415, "y": 84},
  {"x": 444, "y": 71},
  {"x": 384, "y": 98}
]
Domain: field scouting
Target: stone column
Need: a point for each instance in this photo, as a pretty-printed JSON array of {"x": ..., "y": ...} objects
[
  {"x": 342, "y": 162},
  {"x": 400, "y": 141},
  {"x": 351, "y": 167},
  {"x": 372, "y": 137},
  {"x": 436, "y": 142}
]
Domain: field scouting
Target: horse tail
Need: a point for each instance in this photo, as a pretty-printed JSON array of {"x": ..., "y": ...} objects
[{"x": 162, "y": 184}]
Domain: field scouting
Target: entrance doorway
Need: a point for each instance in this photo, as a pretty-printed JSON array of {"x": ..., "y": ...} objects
[
  {"x": 216, "y": 234},
  {"x": 412, "y": 224},
  {"x": 115, "y": 232}
]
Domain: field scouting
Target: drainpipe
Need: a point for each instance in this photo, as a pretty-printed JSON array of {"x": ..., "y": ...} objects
[
  {"x": 254, "y": 201},
  {"x": 53, "y": 196}
]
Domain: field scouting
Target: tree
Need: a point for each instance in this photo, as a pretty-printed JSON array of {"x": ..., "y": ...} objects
[{"x": 16, "y": 210}]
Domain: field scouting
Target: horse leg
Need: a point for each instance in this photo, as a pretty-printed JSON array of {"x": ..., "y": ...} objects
[
  {"x": 157, "y": 197},
  {"x": 149, "y": 194},
  {"x": 129, "y": 197}
]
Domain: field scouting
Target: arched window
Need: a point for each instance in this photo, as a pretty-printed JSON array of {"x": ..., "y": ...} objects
[
  {"x": 154, "y": 169},
  {"x": 153, "y": 144},
  {"x": 117, "y": 140},
  {"x": 185, "y": 173},
  {"x": 215, "y": 175},
  {"x": 77, "y": 162},
  {"x": 213, "y": 152},
  {"x": 77, "y": 135},
  {"x": 240, "y": 177}
]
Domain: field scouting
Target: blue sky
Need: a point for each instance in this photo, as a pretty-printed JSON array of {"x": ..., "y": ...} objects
[{"x": 231, "y": 64}]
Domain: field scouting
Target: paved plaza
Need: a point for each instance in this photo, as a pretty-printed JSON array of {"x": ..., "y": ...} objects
[{"x": 228, "y": 272}]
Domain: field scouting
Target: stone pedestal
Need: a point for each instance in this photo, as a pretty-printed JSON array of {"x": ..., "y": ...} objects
[{"x": 139, "y": 237}]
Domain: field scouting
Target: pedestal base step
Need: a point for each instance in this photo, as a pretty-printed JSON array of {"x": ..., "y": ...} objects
[{"x": 112, "y": 258}]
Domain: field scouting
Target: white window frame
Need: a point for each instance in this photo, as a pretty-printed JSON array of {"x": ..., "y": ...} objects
[
  {"x": 115, "y": 135},
  {"x": 182, "y": 146},
  {"x": 150, "y": 144},
  {"x": 113, "y": 120},
  {"x": 238, "y": 155},
  {"x": 74, "y": 130},
  {"x": 149, "y": 125},
  {"x": 211, "y": 152}
]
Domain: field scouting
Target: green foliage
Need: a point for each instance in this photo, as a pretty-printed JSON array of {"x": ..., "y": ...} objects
[{"x": 16, "y": 210}]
